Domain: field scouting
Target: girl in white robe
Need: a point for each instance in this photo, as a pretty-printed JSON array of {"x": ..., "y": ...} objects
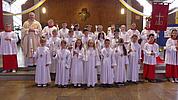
[
  {"x": 134, "y": 55},
  {"x": 92, "y": 61},
  {"x": 171, "y": 57},
  {"x": 120, "y": 71},
  {"x": 43, "y": 60},
  {"x": 54, "y": 44},
  {"x": 77, "y": 64},
  {"x": 108, "y": 64},
  {"x": 64, "y": 61}
]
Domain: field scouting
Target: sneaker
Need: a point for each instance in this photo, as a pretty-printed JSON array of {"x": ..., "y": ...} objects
[
  {"x": 75, "y": 85},
  {"x": 176, "y": 80},
  {"x": 171, "y": 80}
]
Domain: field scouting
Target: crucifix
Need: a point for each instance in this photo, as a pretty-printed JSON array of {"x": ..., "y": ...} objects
[{"x": 159, "y": 22}]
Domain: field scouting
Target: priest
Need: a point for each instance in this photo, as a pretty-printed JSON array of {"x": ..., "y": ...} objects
[{"x": 31, "y": 32}]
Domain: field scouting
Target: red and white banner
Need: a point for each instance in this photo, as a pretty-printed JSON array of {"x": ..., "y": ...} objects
[
  {"x": 159, "y": 17},
  {"x": 1, "y": 16}
]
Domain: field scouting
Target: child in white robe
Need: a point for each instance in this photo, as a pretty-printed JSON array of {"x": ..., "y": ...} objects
[
  {"x": 120, "y": 71},
  {"x": 171, "y": 57},
  {"x": 151, "y": 51},
  {"x": 92, "y": 60},
  {"x": 70, "y": 39},
  {"x": 108, "y": 64},
  {"x": 77, "y": 64},
  {"x": 54, "y": 44},
  {"x": 134, "y": 55},
  {"x": 77, "y": 33},
  {"x": 47, "y": 31},
  {"x": 43, "y": 60},
  {"x": 63, "y": 56},
  {"x": 8, "y": 49}
]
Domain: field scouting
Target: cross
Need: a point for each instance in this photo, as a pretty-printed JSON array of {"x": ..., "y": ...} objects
[{"x": 159, "y": 22}]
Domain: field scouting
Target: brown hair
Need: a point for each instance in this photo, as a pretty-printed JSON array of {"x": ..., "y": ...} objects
[
  {"x": 80, "y": 45},
  {"x": 90, "y": 40}
]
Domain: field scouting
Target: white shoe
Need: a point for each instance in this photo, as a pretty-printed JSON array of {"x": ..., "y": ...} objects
[
  {"x": 4, "y": 71},
  {"x": 14, "y": 71},
  {"x": 171, "y": 80},
  {"x": 176, "y": 80},
  {"x": 79, "y": 85},
  {"x": 44, "y": 85},
  {"x": 39, "y": 85},
  {"x": 75, "y": 85}
]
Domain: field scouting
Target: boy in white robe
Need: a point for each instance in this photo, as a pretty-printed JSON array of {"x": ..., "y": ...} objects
[
  {"x": 171, "y": 57},
  {"x": 123, "y": 34},
  {"x": 92, "y": 60},
  {"x": 120, "y": 71},
  {"x": 151, "y": 51},
  {"x": 108, "y": 63},
  {"x": 90, "y": 33},
  {"x": 63, "y": 32},
  {"x": 115, "y": 39},
  {"x": 47, "y": 30},
  {"x": 54, "y": 44},
  {"x": 70, "y": 39},
  {"x": 8, "y": 49},
  {"x": 63, "y": 56},
  {"x": 134, "y": 55},
  {"x": 43, "y": 61},
  {"x": 133, "y": 31}
]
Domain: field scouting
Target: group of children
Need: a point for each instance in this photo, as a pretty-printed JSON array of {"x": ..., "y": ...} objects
[
  {"x": 80, "y": 58},
  {"x": 83, "y": 57}
]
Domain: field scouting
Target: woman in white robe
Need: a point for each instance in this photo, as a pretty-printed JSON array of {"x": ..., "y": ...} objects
[
  {"x": 108, "y": 63},
  {"x": 43, "y": 60},
  {"x": 64, "y": 61},
  {"x": 77, "y": 64}
]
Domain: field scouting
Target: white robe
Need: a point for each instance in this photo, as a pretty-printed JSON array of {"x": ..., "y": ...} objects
[
  {"x": 78, "y": 34},
  {"x": 134, "y": 57},
  {"x": 110, "y": 35},
  {"x": 92, "y": 36},
  {"x": 92, "y": 60},
  {"x": 64, "y": 63},
  {"x": 70, "y": 41},
  {"x": 54, "y": 44},
  {"x": 48, "y": 31},
  {"x": 8, "y": 47},
  {"x": 108, "y": 60},
  {"x": 77, "y": 66},
  {"x": 114, "y": 42},
  {"x": 148, "y": 58},
  {"x": 131, "y": 32},
  {"x": 120, "y": 72},
  {"x": 171, "y": 52},
  {"x": 63, "y": 32},
  {"x": 144, "y": 36},
  {"x": 124, "y": 36},
  {"x": 42, "y": 57}
]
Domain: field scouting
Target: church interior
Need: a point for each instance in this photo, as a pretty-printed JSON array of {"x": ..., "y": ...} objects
[{"x": 154, "y": 17}]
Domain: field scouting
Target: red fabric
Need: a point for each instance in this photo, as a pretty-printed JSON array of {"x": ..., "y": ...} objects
[
  {"x": 149, "y": 71},
  {"x": 9, "y": 62},
  {"x": 159, "y": 60},
  {"x": 171, "y": 71},
  {"x": 159, "y": 16},
  {"x": 1, "y": 16}
]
